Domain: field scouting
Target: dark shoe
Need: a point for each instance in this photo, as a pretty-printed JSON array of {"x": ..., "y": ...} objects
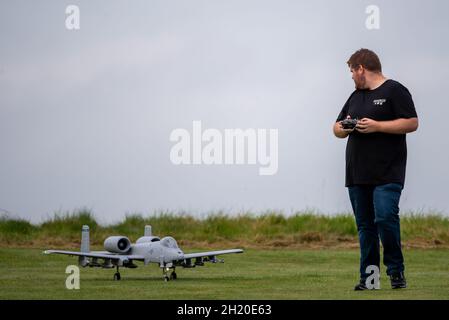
[
  {"x": 398, "y": 281},
  {"x": 361, "y": 286}
]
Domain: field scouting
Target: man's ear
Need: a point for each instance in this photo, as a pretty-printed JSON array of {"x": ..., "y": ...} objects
[{"x": 361, "y": 69}]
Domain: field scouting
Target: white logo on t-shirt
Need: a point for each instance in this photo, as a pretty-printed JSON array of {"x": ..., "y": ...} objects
[{"x": 379, "y": 102}]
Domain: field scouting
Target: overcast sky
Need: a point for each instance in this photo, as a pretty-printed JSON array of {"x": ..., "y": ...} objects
[{"x": 86, "y": 115}]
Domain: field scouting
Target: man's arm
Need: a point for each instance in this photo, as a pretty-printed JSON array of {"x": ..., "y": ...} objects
[{"x": 398, "y": 126}]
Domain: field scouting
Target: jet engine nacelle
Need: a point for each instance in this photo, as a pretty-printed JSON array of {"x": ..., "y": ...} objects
[{"x": 117, "y": 244}]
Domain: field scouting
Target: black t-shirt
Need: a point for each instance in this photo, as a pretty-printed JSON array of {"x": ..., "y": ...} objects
[{"x": 377, "y": 158}]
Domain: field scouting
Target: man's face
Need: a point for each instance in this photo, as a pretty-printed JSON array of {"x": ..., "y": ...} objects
[{"x": 358, "y": 75}]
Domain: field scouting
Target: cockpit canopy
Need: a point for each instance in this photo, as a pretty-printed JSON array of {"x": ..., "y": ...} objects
[
  {"x": 169, "y": 242},
  {"x": 146, "y": 239}
]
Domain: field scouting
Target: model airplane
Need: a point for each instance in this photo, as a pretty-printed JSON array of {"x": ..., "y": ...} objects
[{"x": 121, "y": 253}]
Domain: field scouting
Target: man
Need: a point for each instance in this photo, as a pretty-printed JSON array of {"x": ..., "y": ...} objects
[{"x": 376, "y": 156}]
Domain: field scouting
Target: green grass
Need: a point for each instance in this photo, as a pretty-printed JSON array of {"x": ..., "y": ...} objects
[
  {"x": 268, "y": 229},
  {"x": 278, "y": 262},
  {"x": 256, "y": 274}
]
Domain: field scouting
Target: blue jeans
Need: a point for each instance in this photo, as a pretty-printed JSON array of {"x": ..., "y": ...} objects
[{"x": 376, "y": 210}]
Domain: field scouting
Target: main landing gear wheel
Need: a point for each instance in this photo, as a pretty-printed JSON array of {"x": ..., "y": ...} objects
[
  {"x": 173, "y": 276},
  {"x": 117, "y": 275}
]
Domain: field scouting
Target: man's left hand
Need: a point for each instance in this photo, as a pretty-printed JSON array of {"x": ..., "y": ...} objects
[{"x": 367, "y": 125}]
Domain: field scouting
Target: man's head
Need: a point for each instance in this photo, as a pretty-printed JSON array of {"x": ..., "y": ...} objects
[{"x": 364, "y": 64}]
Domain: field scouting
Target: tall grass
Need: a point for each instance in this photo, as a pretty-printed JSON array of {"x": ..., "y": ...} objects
[
  {"x": 267, "y": 229},
  {"x": 13, "y": 230},
  {"x": 68, "y": 223}
]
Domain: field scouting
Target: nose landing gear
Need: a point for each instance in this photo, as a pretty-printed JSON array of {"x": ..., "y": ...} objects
[{"x": 167, "y": 276}]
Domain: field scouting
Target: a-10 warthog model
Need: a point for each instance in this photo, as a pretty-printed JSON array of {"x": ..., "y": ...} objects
[{"x": 120, "y": 252}]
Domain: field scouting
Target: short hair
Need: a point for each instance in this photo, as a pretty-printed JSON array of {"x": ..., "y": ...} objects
[{"x": 366, "y": 58}]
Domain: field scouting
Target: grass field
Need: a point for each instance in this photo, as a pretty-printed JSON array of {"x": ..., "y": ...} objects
[
  {"x": 256, "y": 274},
  {"x": 302, "y": 256}
]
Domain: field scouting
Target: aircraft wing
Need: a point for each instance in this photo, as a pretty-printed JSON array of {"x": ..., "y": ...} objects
[
  {"x": 210, "y": 253},
  {"x": 93, "y": 254}
]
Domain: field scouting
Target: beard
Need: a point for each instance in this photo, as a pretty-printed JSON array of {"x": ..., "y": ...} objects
[{"x": 360, "y": 84}]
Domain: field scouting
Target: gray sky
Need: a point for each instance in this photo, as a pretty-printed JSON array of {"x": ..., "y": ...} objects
[{"x": 86, "y": 115}]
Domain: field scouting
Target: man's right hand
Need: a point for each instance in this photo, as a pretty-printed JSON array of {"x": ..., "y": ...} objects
[
  {"x": 346, "y": 130},
  {"x": 340, "y": 132}
]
